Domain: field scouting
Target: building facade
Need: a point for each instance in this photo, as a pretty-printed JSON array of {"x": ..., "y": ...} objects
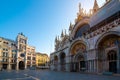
[
  {"x": 42, "y": 61},
  {"x": 8, "y": 50},
  {"x": 13, "y": 54},
  {"x": 93, "y": 42},
  {"x": 31, "y": 57}
]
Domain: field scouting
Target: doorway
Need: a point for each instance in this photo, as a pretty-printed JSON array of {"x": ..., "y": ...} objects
[
  {"x": 21, "y": 65},
  {"x": 5, "y": 66},
  {"x": 112, "y": 58}
]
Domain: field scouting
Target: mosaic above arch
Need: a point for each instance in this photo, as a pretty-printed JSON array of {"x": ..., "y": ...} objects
[{"x": 79, "y": 47}]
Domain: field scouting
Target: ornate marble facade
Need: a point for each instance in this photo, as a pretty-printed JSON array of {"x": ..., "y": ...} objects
[{"x": 93, "y": 42}]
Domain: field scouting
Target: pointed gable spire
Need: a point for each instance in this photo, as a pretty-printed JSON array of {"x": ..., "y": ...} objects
[
  {"x": 62, "y": 34},
  {"x": 56, "y": 39},
  {"x": 95, "y": 7},
  {"x": 65, "y": 33},
  {"x": 70, "y": 27}
]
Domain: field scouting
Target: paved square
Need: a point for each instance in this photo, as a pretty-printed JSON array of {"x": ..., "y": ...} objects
[{"x": 51, "y": 75}]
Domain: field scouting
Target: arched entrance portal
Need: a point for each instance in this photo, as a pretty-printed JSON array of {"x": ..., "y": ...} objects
[
  {"x": 112, "y": 59},
  {"x": 62, "y": 61},
  {"x": 21, "y": 65},
  {"x": 77, "y": 57},
  {"x": 80, "y": 63},
  {"x": 108, "y": 50},
  {"x": 55, "y": 62}
]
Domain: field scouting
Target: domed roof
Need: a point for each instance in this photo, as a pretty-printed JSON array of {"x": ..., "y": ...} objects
[{"x": 106, "y": 11}]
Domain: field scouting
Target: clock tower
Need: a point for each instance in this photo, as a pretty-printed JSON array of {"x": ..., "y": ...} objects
[{"x": 21, "y": 52}]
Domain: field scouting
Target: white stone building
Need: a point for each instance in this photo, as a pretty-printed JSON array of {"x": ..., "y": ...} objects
[
  {"x": 31, "y": 57},
  {"x": 93, "y": 42}
]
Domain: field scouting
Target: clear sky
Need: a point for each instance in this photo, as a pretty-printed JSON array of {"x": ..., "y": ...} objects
[{"x": 40, "y": 20}]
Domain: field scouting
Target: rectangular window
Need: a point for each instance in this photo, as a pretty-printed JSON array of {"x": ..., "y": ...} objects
[
  {"x": 4, "y": 60},
  {"x": 29, "y": 58},
  {"x": 4, "y": 54},
  {"x": 33, "y": 58}
]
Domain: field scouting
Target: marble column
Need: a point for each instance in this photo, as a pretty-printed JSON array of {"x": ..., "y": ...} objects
[
  {"x": 118, "y": 56},
  {"x": 9, "y": 67}
]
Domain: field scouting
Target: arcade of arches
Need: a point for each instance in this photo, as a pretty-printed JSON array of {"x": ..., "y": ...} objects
[
  {"x": 60, "y": 61},
  {"x": 105, "y": 58}
]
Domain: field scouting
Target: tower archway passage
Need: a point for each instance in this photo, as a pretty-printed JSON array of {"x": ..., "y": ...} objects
[{"x": 21, "y": 65}]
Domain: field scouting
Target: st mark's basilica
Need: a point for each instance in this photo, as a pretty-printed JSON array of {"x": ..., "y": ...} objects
[{"x": 93, "y": 42}]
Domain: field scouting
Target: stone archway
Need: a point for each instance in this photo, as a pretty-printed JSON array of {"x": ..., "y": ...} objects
[
  {"x": 79, "y": 63},
  {"x": 55, "y": 62},
  {"x": 79, "y": 25},
  {"x": 21, "y": 65},
  {"x": 107, "y": 45},
  {"x": 77, "y": 52},
  {"x": 62, "y": 61}
]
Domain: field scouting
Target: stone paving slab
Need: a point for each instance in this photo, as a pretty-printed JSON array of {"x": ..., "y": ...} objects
[{"x": 51, "y": 75}]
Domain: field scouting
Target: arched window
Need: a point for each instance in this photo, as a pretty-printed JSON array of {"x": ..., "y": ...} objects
[
  {"x": 82, "y": 30},
  {"x": 112, "y": 55}
]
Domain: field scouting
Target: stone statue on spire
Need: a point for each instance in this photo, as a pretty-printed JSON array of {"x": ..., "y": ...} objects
[
  {"x": 62, "y": 34},
  {"x": 56, "y": 39}
]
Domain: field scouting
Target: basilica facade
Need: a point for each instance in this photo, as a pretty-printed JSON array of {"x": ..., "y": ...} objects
[{"x": 93, "y": 42}]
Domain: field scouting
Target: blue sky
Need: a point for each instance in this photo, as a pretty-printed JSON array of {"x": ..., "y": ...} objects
[{"x": 40, "y": 20}]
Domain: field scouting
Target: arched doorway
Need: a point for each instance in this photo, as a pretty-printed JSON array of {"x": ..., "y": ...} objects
[
  {"x": 112, "y": 59},
  {"x": 80, "y": 63},
  {"x": 55, "y": 62},
  {"x": 62, "y": 61},
  {"x": 21, "y": 65},
  {"x": 108, "y": 48},
  {"x": 77, "y": 52}
]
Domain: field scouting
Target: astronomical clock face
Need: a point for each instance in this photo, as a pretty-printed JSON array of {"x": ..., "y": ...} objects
[
  {"x": 78, "y": 47},
  {"x": 22, "y": 55}
]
